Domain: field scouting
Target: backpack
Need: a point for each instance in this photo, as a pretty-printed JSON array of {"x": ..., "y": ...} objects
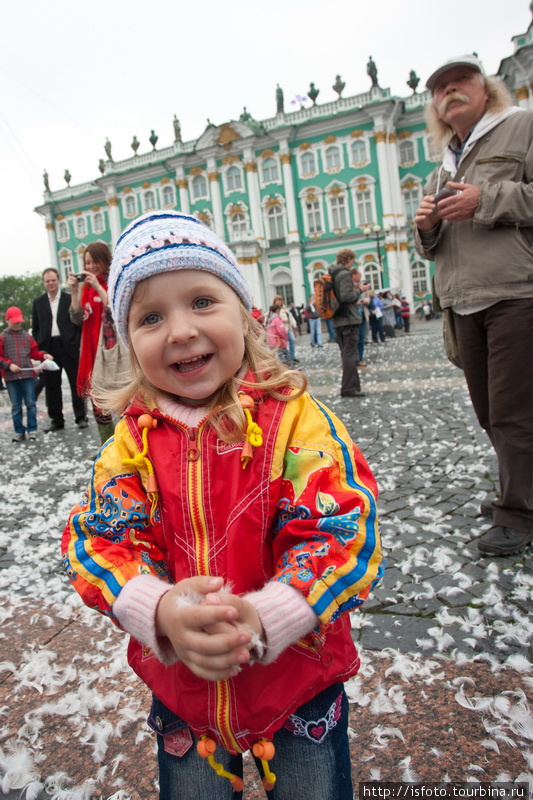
[{"x": 325, "y": 300}]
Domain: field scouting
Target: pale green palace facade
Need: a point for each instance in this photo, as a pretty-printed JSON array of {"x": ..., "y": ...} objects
[{"x": 286, "y": 193}]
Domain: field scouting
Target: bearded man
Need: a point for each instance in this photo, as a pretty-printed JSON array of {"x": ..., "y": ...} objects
[{"x": 479, "y": 232}]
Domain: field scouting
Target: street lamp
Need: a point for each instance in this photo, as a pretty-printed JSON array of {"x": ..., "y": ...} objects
[{"x": 377, "y": 230}]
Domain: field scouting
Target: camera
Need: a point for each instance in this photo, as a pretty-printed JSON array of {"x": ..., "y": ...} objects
[
  {"x": 442, "y": 195},
  {"x": 80, "y": 278}
]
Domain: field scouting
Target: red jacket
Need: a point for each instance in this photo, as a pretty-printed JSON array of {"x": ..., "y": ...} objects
[{"x": 303, "y": 512}]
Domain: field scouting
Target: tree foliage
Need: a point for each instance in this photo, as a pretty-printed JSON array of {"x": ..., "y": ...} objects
[{"x": 21, "y": 291}]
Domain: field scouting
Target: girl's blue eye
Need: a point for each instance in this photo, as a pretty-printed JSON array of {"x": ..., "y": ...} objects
[
  {"x": 203, "y": 302},
  {"x": 151, "y": 319}
]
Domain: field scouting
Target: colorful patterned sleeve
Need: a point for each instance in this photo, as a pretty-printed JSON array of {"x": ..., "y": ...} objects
[
  {"x": 326, "y": 542},
  {"x": 112, "y": 535}
]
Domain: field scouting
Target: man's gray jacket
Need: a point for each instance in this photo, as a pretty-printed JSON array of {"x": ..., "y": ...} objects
[
  {"x": 489, "y": 257},
  {"x": 347, "y": 296}
]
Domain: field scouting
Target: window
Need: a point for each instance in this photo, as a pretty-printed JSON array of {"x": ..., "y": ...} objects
[
  {"x": 314, "y": 222},
  {"x": 81, "y": 228},
  {"x": 333, "y": 158},
  {"x": 98, "y": 223},
  {"x": 199, "y": 187},
  {"x": 234, "y": 179},
  {"x": 65, "y": 260},
  {"x": 407, "y": 152},
  {"x": 308, "y": 163},
  {"x": 372, "y": 275},
  {"x": 149, "y": 201},
  {"x": 130, "y": 206},
  {"x": 412, "y": 201},
  {"x": 168, "y": 196},
  {"x": 270, "y": 170},
  {"x": 286, "y": 291},
  {"x": 275, "y": 223},
  {"x": 238, "y": 225},
  {"x": 364, "y": 207},
  {"x": 420, "y": 277},
  {"x": 63, "y": 231},
  {"x": 358, "y": 151},
  {"x": 338, "y": 212}
]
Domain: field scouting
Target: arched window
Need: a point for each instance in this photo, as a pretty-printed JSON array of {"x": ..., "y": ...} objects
[
  {"x": 168, "y": 196},
  {"x": 234, "y": 179},
  {"x": 98, "y": 222},
  {"x": 284, "y": 288},
  {"x": 81, "y": 228},
  {"x": 199, "y": 187},
  {"x": 308, "y": 163},
  {"x": 407, "y": 152},
  {"x": 358, "y": 151},
  {"x": 411, "y": 199},
  {"x": 333, "y": 158},
  {"x": 130, "y": 206},
  {"x": 238, "y": 225},
  {"x": 364, "y": 207},
  {"x": 275, "y": 222},
  {"x": 63, "y": 230},
  {"x": 372, "y": 275},
  {"x": 337, "y": 204},
  {"x": 314, "y": 220},
  {"x": 149, "y": 201},
  {"x": 270, "y": 170},
  {"x": 419, "y": 271}
]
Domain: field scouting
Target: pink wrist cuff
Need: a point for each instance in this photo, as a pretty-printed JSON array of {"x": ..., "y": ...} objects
[
  {"x": 135, "y": 608},
  {"x": 285, "y": 614}
]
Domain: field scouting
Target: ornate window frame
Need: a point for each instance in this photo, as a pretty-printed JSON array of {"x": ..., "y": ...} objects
[
  {"x": 274, "y": 282},
  {"x": 195, "y": 181},
  {"x": 403, "y": 159},
  {"x": 206, "y": 216},
  {"x": 314, "y": 195},
  {"x": 334, "y": 190},
  {"x": 94, "y": 216},
  {"x": 60, "y": 224},
  {"x": 430, "y": 153},
  {"x": 424, "y": 274},
  {"x": 274, "y": 201},
  {"x": 124, "y": 199},
  {"x": 411, "y": 183},
  {"x": 263, "y": 160},
  {"x": 66, "y": 262},
  {"x": 364, "y": 141},
  {"x": 232, "y": 210},
  {"x": 165, "y": 189},
  {"x": 152, "y": 191},
  {"x": 363, "y": 183},
  {"x": 371, "y": 272},
  {"x": 300, "y": 155},
  {"x": 225, "y": 179},
  {"x": 79, "y": 220}
]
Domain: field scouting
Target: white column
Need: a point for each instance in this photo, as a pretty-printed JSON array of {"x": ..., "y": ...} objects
[
  {"x": 290, "y": 198},
  {"x": 182, "y": 184},
  {"x": 114, "y": 214},
  {"x": 393, "y": 266},
  {"x": 250, "y": 270},
  {"x": 297, "y": 272},
  {"x": 523, "y": 97},
  {"x": 215, "y": 197},
  {"x": 253, "y": 193},
  {"x": 406, "y": 274},
  {"x": 386, "y": 197},
  {"x": 394, "y": 180},
  {"x": 52, "y": 243}
]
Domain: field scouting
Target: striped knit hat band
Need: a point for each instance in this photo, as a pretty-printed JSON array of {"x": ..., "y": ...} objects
[{"x": 165, "y": 241}]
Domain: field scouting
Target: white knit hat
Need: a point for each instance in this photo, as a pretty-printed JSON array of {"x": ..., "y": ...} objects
[{"x": 163, "y": 241}]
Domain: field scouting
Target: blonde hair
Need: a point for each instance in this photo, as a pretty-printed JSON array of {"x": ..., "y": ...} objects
[
  {"x": 441, "y": 133},
  {"x": 225, "y": 412}
]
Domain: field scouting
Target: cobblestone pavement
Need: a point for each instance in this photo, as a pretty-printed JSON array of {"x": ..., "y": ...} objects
[{"x": 446, "y": 684}]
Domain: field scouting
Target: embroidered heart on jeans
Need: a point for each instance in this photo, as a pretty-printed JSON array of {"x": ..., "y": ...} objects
[{"x": 317, "y": 730}]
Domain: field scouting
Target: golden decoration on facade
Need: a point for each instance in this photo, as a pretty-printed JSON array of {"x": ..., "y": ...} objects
[
  {"x": 236, "y": 209},
  {"x": 164, "y": 180},
  {"x": 357, "y": 133},
  {"x": 285, "y": 158},
  {"x": 380, "y": 136},
  {"x": 250, "y": 166},
  {"x": 268, "y": 153},
  {"x": 213, "y": 176},
  {"x": 78, "y": 212},
  {"x": 369, "y": 257},
  {"x": 392, "y": 138},
  {"x": 59, "y": 217},
  {"x": 203, "y": 218},
  {"x": 404, "y": 246},
  {"x": 112, "y": 201},
  {"x": 361, "y": 187},
  {"x": 390, "y": 247},
  {"x": 305, "y": 146},
  {"x": 49, "y": 226},
  {"x": 127, "y": 190},
  {"x": 248, "y": 260},
  {"x": 146, "y": 185},
  {"x": 95, "y": 208},
  {"x": 335, "y": 190},
  {"x": 409, "y": 184},
  {"x": 182, "y": 183},
  {"x": 272, "y": 201},
  {"x": 196, "y": 171},
  {"x": 227, "y": 135},
  {"x": 330, "y": 139},
  {"x": 522, "y": 93},
  {"x": 311, "y": 197},
  {"x": 404, "y": 134},
  {"x": 230, "y": 159}
]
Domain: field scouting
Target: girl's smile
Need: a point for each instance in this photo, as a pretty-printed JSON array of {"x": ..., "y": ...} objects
[{"x": 187, "y": 332}]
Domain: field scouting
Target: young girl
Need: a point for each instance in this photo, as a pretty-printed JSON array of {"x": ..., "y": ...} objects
[
  {"x": 276, "y": 334},
  {"x": 229, "y": 526}
]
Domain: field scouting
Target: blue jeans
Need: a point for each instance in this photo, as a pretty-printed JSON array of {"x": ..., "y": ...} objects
[
  {"x": 361, "y": 343},
  {"x": 20, "y": 391},
  {"x": 312, "y": 756},
  {"x": 292, "y": 345},
  {"x": 315, "y": 329},
  {"x": 331, "y": 330}
]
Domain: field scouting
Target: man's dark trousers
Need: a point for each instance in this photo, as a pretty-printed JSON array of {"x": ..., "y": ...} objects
[
  {"x": 52, "y": 384},
  {"x": 495, "y": 349},
  {"x": 348, "y": 339}
]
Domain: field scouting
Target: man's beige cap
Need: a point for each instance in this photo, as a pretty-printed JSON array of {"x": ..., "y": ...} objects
[{"x": 461, "y": 61}]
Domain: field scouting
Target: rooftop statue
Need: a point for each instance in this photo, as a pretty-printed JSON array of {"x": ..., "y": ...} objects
[
  {"x": 279, "y": 100},
  {"x": 101, "y": 166},
  {"x": 372, "y": 72},
  {"x": 413, "y": 81},
  {"x": 135, "y": 144},
  {"x": 107, "y": 148},
  {"x": 338, "y": 86},
  {"x": 313, "y": 93},
  {"x": 177, "y": 129},
  {"x": 68, "y": 177},
  {"x": 45, "y": 181},
  {"x": 153, "y": 139}
]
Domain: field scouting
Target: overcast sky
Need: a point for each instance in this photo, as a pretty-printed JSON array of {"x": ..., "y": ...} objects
[{"x": 74, "y": 73}]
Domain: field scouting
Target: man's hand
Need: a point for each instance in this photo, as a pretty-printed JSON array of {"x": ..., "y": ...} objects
[
  {"x": 205, "y": 637},
  {"x": 425, "y": 217},
  {"x": 462, "y": 205}
]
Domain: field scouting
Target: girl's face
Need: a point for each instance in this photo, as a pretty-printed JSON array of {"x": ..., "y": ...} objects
[
  {"x": 187, "y": 332},
  {"x": 95, "y": 267}
]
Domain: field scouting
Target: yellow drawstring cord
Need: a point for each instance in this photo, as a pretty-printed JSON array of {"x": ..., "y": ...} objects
[
  {"x": 206, "y": 747},
  {"x": 265, "y": 750},
  {"x": 253, "y": 435},
  {"x": 146, "y": 422}
]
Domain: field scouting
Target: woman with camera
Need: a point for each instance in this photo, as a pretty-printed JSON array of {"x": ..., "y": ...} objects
[{"x": 88, "y": 308}]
